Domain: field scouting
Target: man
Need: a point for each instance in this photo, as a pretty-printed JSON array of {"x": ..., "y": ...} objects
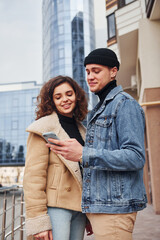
[{"x": 113, "y": 156}]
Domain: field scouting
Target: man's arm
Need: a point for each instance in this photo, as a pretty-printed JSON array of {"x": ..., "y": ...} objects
[{"x": 130, "y": 155}]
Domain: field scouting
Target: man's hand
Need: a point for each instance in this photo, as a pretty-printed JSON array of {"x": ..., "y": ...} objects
[
  {"x": 46, "y": 235},
  {"x": 70, "y": 149}
]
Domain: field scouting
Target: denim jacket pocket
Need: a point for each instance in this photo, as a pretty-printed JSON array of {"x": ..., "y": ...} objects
[
  {"x": 103, "y": 130},
  {"x": 104, "y": 121},
  {"x": 117, "y": 185}
]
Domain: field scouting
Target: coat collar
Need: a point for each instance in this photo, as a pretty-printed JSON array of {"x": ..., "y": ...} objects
[{"x": 51, "y": 123}]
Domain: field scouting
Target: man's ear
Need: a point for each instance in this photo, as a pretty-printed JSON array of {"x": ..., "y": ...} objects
[{"x": 113, "y": 72}]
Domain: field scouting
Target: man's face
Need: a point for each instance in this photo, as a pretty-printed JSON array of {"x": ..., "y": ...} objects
[{"x": 98, "y": 76}]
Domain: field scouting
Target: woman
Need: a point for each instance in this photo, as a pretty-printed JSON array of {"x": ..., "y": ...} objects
[{"x": 52, "y": 184}]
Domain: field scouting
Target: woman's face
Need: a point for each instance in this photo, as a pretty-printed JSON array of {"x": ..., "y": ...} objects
[{"x": 64, "y": 99}]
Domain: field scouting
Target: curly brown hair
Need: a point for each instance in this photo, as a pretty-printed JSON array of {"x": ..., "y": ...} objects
[{"x": 45, "y": 103}]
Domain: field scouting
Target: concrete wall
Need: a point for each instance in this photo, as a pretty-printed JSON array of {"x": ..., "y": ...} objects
[
  {"x": 149, "y": 54},
  {"x": 100, "y": 23},
  {"x": 152, "y": 114}
]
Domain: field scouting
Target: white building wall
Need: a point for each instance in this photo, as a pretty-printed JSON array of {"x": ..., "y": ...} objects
[
  {"x": 100, "y": 23},
  {"x": 149, "y": 54},
  {"x": 127, "y": 18}
]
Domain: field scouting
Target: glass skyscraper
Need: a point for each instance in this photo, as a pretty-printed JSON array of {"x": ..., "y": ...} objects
[
  {"x": 68, "y": 36},
  {"x": 17, "y": 107}
]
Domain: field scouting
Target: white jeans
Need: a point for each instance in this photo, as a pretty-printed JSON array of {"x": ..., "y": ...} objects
[{"x": 67, "y": 224}]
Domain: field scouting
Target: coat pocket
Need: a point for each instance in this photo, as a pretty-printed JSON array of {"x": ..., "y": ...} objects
[{"x": 56, "y": 176}]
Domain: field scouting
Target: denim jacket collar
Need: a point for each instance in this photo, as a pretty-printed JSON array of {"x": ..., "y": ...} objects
[{"x": 109, "y": 97}]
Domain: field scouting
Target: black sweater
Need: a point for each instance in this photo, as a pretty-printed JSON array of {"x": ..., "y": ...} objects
[
  {"x": 70, "y": 126},
  {"x": 104, "y": 91}
]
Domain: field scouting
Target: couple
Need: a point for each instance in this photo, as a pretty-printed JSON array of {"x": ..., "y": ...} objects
[{"x": 110, "y": 158}]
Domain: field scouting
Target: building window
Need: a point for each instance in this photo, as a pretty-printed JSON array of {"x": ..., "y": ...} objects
[
  {"x": 149, "y": 7},
  {"x": 15, "y": 102},
  {"x": 14, "y": 124},
  {"x": 122, "y": 3},
  {"x": 34, "y": 101},
  {"x": 128, "y": 1},
  {"x": 61, "y": 29},
  {"x": 61, "y": 53},
  {"x": 111, "y": 26}
]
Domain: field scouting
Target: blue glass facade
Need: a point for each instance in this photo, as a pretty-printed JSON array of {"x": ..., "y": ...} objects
[
  {"x": 17, "y": 109},
  {"x": 68, "y": 36}
]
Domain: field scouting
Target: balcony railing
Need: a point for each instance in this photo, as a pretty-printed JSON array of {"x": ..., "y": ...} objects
[{"x": 12, "y": 218}]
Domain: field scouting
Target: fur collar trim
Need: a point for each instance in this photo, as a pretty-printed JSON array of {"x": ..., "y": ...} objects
[{"x": 51, "y": 123}]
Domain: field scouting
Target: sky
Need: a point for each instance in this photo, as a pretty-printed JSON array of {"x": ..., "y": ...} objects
[
  {"x": 20, "y": 41},
  {"x": 21, "y": 38}
]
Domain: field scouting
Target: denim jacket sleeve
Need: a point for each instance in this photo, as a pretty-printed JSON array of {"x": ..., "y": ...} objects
[{"x": 130, "y": 153}]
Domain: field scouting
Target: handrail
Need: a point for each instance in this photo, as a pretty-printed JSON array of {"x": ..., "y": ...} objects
[
  {"x": 153, "y": 103},
  {"x": 8, "y": 189},
  {"x": 12, "y": 226},
  {"x": 18, "y": 227}
]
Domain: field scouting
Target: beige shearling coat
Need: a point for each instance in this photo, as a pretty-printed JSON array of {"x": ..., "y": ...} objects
[{"x": 49, "y": 179}]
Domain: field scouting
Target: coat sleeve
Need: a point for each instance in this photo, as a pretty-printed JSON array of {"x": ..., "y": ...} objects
[{"x": 34, "y": 185}]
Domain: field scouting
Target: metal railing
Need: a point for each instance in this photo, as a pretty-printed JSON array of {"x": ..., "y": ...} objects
[{"x": 12, "y": 218}]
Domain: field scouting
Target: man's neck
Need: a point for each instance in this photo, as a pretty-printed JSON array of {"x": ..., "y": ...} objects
[{"x": 104, "y": 91}]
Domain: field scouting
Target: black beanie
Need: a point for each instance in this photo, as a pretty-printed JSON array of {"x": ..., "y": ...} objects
[{"x": 102, "y": 56}]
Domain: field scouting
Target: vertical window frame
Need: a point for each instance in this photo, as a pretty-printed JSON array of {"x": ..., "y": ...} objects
[
  {"x": 61, "y": 53},
  {"x": 108, "y": 26}
]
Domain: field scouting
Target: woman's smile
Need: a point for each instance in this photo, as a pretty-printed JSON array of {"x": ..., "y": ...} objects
[{"x": 64, "y": 99}]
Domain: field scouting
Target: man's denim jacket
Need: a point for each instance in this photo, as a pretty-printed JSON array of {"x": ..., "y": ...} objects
[{"x": 114, "y": 156}]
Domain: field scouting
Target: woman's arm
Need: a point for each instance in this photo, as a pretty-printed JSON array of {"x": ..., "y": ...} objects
[{"x": 34, "y": 185}]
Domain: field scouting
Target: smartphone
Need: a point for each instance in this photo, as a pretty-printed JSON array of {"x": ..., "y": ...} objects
[{"x": 50, "y": 135}]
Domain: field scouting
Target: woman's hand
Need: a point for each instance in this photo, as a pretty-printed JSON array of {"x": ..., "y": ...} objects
[{"x": 46, "y": 235}]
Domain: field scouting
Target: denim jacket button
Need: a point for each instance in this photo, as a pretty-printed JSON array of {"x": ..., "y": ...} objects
[{"x": 86, "y": 165}]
